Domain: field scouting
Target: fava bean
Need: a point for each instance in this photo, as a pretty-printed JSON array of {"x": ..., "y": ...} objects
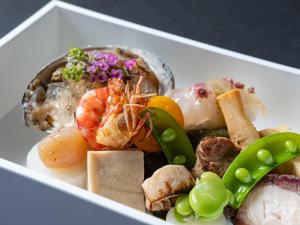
[{"x": 183, "y": 205}]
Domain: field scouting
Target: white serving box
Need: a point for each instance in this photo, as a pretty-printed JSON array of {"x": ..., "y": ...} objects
[{"x": 27, "y": 197}]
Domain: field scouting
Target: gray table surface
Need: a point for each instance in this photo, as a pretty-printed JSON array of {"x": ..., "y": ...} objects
[{"x": 267, "y": 29}]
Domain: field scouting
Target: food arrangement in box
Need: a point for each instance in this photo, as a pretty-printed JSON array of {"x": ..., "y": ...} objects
[{"x": 118, "y": 127}]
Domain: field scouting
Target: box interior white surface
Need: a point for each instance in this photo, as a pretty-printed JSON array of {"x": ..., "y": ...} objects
[{"x": 59, "y": 26}]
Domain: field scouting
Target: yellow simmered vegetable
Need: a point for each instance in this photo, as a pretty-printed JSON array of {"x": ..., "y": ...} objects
[{"x": 169, "y": 105}]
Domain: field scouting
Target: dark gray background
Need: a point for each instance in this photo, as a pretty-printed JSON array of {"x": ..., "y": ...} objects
[{"x": 268, "y": 29}]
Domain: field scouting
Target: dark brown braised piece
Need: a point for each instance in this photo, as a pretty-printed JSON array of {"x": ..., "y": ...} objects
[
  {"x": 196, "y": 136},
  {"x": 214, "y": 154}
]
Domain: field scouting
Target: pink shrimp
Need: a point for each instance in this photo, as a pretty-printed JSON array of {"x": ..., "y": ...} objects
[
  {"x": 89, "y": 112},
  {"x": 110, "y": 117}
]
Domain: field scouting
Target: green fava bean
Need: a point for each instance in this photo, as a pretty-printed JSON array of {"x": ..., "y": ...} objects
[
  {"x": 258, "y": 159},
  {"x": 171, "y": 137},
  {"x": 202, "y": 219},
  {"x": 209, "y": 196},
  {"x": 211, "y": 182},
  {"x": 179, "y": 218},
  {"x": 182, "y": 205},
  {"x": 203, "y": 203}
]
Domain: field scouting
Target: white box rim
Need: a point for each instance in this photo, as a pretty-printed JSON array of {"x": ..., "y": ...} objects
[
  {"x": 95, "y": 199},
  {"x": 90, "y": 13}
]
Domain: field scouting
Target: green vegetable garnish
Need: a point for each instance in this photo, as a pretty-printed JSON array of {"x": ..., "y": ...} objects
[
  {"x": 265, "y": 157},
  {"x": 211, "y": 193},
  {"x": 206, "y": 200},
  {"x": 172, "y": 138},
  {"x": 258, "y": 159},
  {"x": 243, "y": 175},
  {"x": 76, "y": 54},
  {"x": 183, "y": 205},
  {"x": 179, "y": 218},
  {"x": 179, "y": 160},
  {"x": 168, "y": 135},
  {"x": 290, "y": 146},
  {"x": 73, "y": 72},
  {"x": 209, "y": 196}
]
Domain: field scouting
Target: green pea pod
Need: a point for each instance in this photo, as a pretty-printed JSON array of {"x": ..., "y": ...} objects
[
  {"x": 171, "y": 137},
  {"x": 258, "y": 159}
]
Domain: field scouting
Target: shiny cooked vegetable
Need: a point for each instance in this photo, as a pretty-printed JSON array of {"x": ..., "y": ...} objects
[
  {"x": 171, "y": 137},
  {"x": 256, "y": 160},
  {"x": 169, "y": 105},
  {"x": 211, "y": 193},
  {"x": 206, "y": 200}
]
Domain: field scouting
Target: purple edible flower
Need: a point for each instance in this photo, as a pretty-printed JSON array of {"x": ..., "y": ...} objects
[
  {"x": 116, "y": 73},
  {"x": 102, "y": 78},
  {"x": 92, "y": 68},
  {"x": 129, "y": 64},
  {"x": 97, "y": 55},
  {"x": 112, "y": 59},
  {"x": 102, "y": 65}
]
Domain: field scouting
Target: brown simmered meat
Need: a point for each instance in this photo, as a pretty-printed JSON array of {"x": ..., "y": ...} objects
[
  {"x": 274, "y": 201},
  {"x": 165, "y": 184},
  {"x": 214, "y": 154},
  {"x": 196, "y": 136}
]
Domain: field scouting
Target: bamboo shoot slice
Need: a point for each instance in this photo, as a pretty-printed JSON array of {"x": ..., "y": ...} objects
[{"x": 241, "y": 131}]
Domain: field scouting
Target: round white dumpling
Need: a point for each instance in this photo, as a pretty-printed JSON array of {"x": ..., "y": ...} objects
[{"x": 75, "y": 175}]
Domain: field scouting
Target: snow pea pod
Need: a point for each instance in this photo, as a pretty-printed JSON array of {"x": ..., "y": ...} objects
[
  {"x": 171, "y": 137},
  {"x": 258, "y": 159}
]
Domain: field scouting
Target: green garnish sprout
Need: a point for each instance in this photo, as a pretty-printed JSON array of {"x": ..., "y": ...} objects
[
  {"x": 76, "y": 54},
  {"x": 74, "y": 72}
]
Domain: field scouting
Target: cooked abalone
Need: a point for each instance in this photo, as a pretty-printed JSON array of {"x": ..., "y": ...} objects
[{"x": 50, "y": 99}]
